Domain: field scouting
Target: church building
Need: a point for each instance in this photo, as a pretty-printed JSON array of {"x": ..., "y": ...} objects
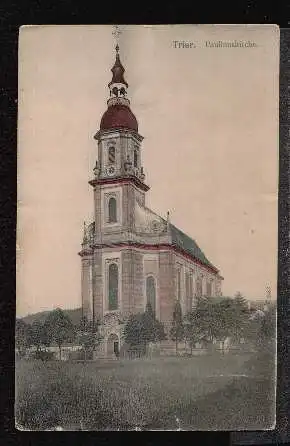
[{"x": 130, "y": 255}]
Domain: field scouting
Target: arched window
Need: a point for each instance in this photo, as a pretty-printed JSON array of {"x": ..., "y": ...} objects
[
  {"x": 112, "y": 207},
  {"x": 198, "y": 287},
  {"x": 179, "y": 284},
  {"x": 135, "y": 158},
  {"x": 112, "y": 155},
  {"x": 151, "y": 292},
  {"x": 113, "y": 287},
  {"x": 208, "y": 289},
  {"x": 188, "y": 286}
]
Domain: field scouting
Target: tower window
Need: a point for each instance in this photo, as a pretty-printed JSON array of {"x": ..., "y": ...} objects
[
  {"x": 112, "y": 208},
  {"x": 135, "y": 158},
  {"x": 112, "y": 154},
  {"x": 113, "y": 287},
  {"x": 151, "y": 292}
]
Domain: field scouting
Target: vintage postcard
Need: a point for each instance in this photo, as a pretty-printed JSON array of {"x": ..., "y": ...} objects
[{"x": 147, "y": 227}]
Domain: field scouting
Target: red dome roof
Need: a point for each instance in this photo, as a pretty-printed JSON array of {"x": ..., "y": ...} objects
[{"x": 118, "y": 116}]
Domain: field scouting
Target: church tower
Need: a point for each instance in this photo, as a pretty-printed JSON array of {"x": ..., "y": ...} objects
[
  {"x": 130, "y": 255},
  {"x": 118, "y": 175}
]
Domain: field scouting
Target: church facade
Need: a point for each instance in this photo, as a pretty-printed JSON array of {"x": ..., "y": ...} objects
[{"x": 130, "y": 255}]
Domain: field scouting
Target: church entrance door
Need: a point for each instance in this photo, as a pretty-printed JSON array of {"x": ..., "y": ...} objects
[{"x": 113, "y": 345}]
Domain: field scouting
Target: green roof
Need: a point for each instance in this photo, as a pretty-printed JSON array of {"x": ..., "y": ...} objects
[{"x": 187, "y": 244}]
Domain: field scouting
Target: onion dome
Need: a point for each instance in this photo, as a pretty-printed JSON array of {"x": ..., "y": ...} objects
[{"x": 118, "y": 114}]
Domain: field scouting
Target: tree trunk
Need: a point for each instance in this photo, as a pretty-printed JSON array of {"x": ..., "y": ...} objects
[
  {"x": 191, "y": 348},
  {"x": 176, "y": 346},
  {"x": 59, "y": 347}
]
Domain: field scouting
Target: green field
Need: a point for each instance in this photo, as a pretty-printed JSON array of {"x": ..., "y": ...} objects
[{"x": 210, "y": 392}]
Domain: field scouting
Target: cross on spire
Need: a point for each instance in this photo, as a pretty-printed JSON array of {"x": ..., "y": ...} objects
[{"x": 116, "y": 33}]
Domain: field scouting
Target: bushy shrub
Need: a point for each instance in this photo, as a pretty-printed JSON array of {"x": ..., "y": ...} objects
[{"x": 43, "y": 355}]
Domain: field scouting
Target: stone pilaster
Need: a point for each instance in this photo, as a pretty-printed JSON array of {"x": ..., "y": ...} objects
[
  {"x": 128, "y": 207},
  {"x": 166, "y": 286},
  {"x": 98, "y": 209},
  {"x": 98, "y": 278},
  {"x": 127, "y": 281},
  {"x": 138, "y": 283},
  {"x": 86, "y": 287}
]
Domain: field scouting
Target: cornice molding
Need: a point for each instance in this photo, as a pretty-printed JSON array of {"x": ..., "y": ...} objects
[{"x": 120, "y": 180}]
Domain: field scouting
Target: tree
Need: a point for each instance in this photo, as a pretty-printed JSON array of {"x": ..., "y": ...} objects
[
  {"x": 224, "y": 317},
  {"x": 134, "y": 333},
  {"x": 177, "y": 329},
  {"x": 241, "y": 316},
  {"x": 221, "y": 318},
  {"x": 88, "y": 336},
  {"x": 160, "y": 334},
  {"x": 148, "y": 325},
  {"x": 22, "y": 337},
  {"x": 193, "y": 332},
  {"x": 261, "y": 329},
  {"x": 83, "y": 323},
  {"x": 143, "y": 328},
  {"x": 152, "y": 327},
  {"x": 254, "y": 329},
  {"x": 268, "y": 325},
  {"x": 39, "y": 335},
  {"x": 59, "y": 328},
  {"x": 205, "y": 315}
]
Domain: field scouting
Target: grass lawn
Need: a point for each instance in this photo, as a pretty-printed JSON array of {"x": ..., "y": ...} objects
[{"x": 202, "y": 392}]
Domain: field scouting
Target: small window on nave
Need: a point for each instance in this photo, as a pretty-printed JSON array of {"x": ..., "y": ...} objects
[
  {"x": 112, "y": 210},
  {"x": 112, "y": 155},
  {"x": 198, "y": 287},
  {"x": 188, "y": 285},
  {"x": 113, "y": 287}
]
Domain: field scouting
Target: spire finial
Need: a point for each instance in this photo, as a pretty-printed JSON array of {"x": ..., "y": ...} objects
[{"x": 118, "y": 69}]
